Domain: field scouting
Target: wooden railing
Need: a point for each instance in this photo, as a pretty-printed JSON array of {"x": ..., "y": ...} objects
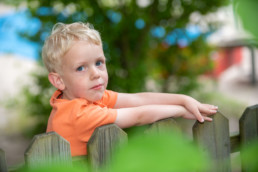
[{"x": 212, "y": 137}]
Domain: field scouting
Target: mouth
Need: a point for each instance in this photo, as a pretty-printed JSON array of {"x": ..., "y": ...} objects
[{"x": 97, "y": 87}]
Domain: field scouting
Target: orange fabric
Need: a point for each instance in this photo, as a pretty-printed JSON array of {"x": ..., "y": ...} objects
[{"x": 76, "y": 119}]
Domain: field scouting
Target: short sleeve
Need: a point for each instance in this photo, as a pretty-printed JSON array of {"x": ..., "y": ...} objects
[
  {"x": 95, "y": 116},
  {"x": 109, "y": 98}
]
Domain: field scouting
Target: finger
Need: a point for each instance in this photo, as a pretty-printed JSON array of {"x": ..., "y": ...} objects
[
  {"x": 195, "y": 111},
  {"x": 208, "y": 109},
  {"x": 207, "y": 118},
  {"x": 208, "y": 114},
  {"x": 198, "y": 116}
]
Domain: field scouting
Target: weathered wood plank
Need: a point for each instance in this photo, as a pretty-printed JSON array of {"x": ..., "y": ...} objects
[
  {"x": 3, "y": 166},
  {"x": 248, "y": 125},
  {"x": 213, "y": 138},
  {"x": 248, "y": 128},
  {"x": 102, "y": 144},
  {"x": 165, "y": 125},
  {"x": 235, "y": 143},
  {"x": 46, "y": 150}
]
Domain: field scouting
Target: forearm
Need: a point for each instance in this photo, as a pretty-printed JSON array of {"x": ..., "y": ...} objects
[
  {"x": 162, "y": 98},
  {"x": 149, "y": 98},
  {"x": 141, "y": 115}
]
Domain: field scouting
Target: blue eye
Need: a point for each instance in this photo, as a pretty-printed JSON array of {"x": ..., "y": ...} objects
[
  {"x": 99, "y": 63},
  {"x": 81, "y": 68}
]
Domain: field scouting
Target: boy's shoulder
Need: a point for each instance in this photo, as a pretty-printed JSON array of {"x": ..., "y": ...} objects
[{"x": 109, "y": 99}]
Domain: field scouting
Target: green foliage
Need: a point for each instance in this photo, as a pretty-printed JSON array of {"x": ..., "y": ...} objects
[
  {"x": 247, "y": 12},
  {"x": 164, "y": 152},
  {"x": 249, "y": 156},
  {"x": 58, "y": 168},
  {"x": 134, "y": 55}
]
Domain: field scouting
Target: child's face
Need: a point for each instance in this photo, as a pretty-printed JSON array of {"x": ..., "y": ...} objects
[{"x": 84, "y": 72}]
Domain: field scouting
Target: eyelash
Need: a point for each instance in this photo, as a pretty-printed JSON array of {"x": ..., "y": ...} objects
[
  {"x": 80, "y": 68},
  {"x": 99, "y": 61}
]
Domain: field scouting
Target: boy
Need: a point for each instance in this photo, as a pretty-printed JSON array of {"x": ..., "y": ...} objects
[{"x": 75, "y": 60}]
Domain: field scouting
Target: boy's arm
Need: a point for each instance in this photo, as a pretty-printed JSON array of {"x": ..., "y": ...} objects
[
  {"x": 139, "y": 99},
  {"x": 127, "y": 117}
]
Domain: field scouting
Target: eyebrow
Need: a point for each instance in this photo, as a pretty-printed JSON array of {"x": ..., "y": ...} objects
[
  {"x": 101, "y": 57},
  {"x": 86, "y": 61}
]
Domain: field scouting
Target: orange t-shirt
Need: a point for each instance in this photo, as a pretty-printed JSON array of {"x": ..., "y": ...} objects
[{"x": 75, "y": 120}]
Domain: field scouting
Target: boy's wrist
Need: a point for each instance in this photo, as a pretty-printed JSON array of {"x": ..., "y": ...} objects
[
  {"x": 181, "y": 111},
  {"x": 184, "y": 99}
]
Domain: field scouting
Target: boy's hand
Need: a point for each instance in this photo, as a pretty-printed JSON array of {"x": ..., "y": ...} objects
[{"x": 199, "y": 110}]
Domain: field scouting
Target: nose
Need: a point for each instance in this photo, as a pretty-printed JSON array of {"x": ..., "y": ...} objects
[{"x": 94, "y": 73}]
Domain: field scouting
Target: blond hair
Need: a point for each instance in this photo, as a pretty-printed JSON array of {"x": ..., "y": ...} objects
[{"x": 62, "y": 38}]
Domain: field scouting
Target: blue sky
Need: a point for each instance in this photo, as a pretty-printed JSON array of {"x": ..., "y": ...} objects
[{"x": 11, "y": 41}]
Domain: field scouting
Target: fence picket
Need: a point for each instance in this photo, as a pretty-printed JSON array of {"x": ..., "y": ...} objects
[
  {"x": 3, "y": 166},
  {"x": 248, "y": 125},
  {"x": 248, "y": 128},
  {"x": 213, "y": 138},
  {"x": 102, "y": 144},
  {"x": 164, "y": 125},
  {"x": 46, "y": 150}
]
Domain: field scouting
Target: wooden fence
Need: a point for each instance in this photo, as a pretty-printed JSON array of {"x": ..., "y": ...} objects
[{"x": 212, "y": 137}]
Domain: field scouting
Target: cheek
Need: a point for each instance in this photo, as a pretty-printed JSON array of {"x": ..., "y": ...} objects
[
  {"x": 76, "y": 85},
  {"x": 106, "y": 77}
]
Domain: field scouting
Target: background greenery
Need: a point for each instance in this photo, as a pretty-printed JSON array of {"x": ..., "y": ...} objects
[
  {"x": 140, "y": 55},
  {"x": 137, "y": 58}
]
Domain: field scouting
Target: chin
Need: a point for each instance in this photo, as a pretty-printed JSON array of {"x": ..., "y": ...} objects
[{"x": 96, "y": 97}]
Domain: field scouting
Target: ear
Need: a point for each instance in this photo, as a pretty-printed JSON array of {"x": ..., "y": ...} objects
[{"x": 56, "y": 80}]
